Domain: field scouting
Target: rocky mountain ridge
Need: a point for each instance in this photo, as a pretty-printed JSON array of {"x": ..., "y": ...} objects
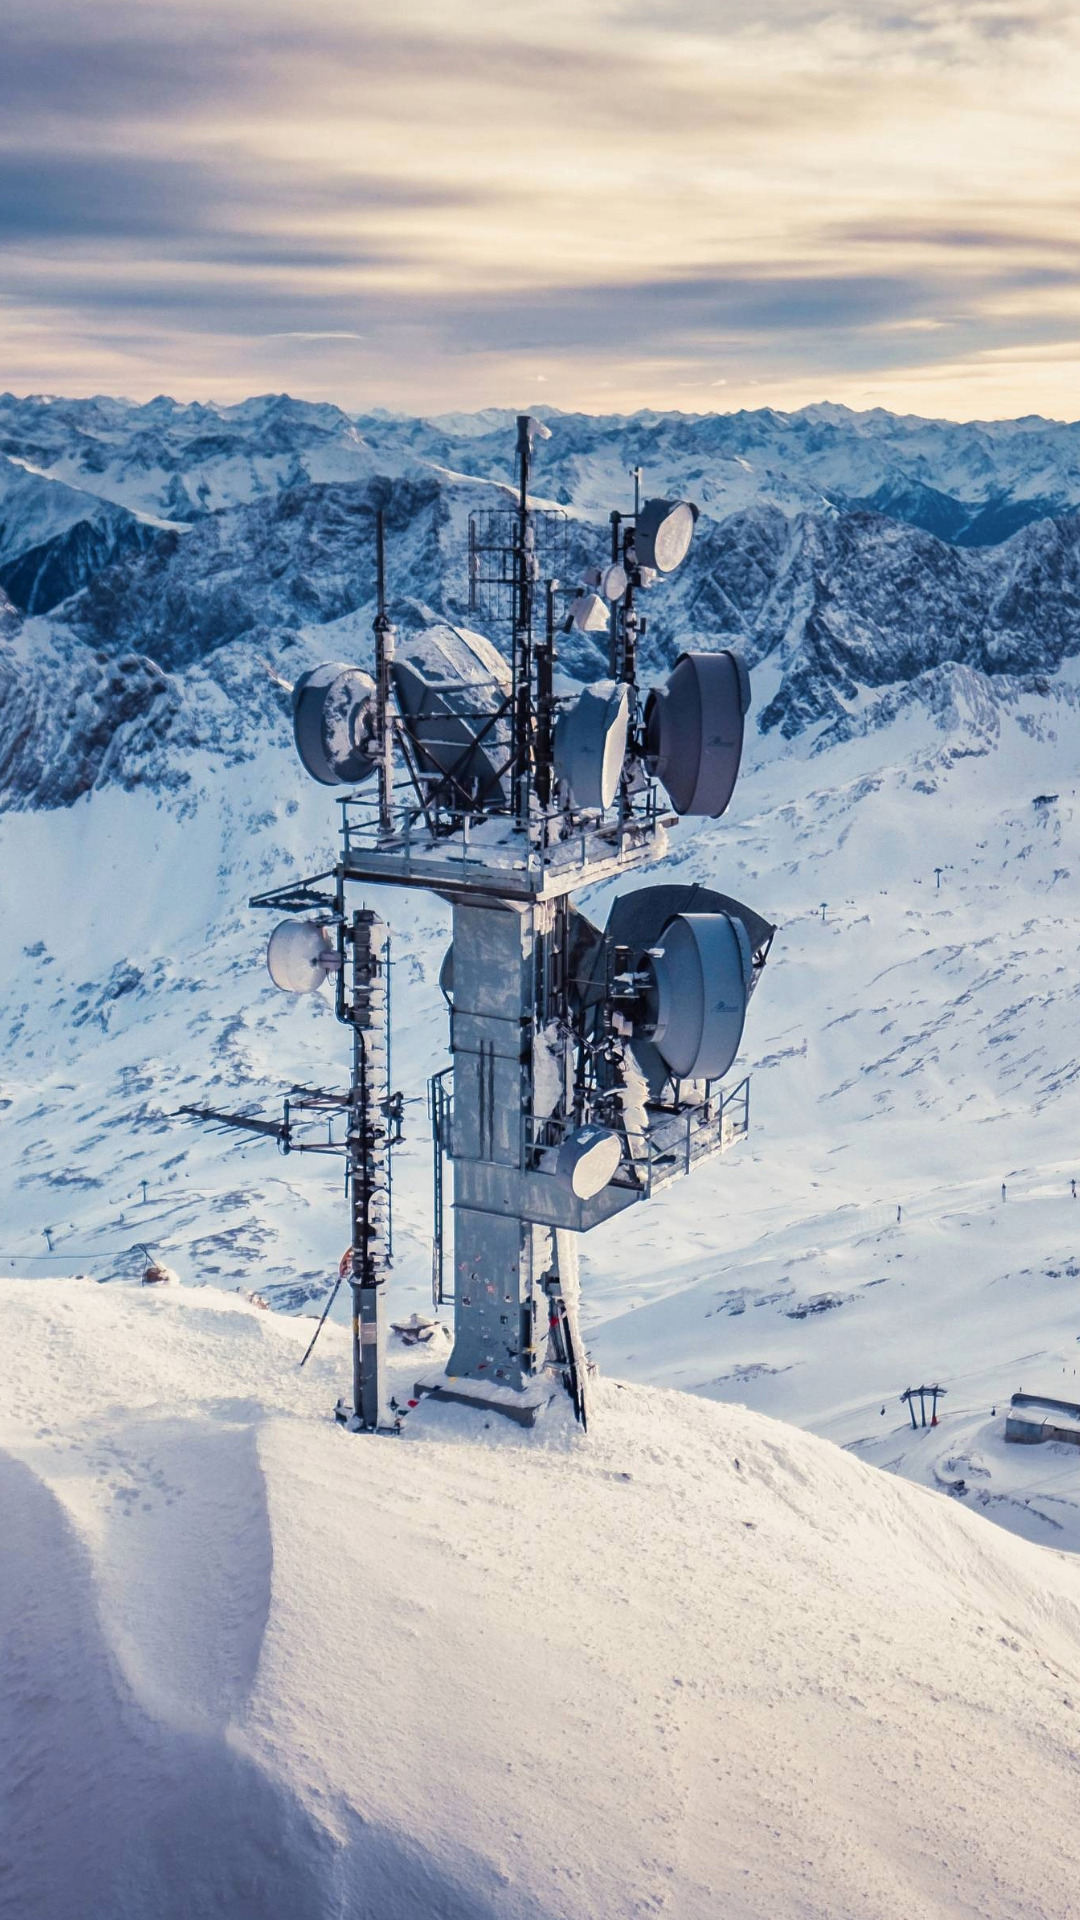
[{"x": 129, "y": 636}]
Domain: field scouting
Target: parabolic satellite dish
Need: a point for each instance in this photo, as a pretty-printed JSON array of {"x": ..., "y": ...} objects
[
  {"x": 696, "y": 1005},
  {"x": 663, "y": 534},
  {"x": 590, "y": 743},
  {"x": 334, "y": 723},
  {"x": 299, "y": 956},
  {"x": 694, "y": 730}
]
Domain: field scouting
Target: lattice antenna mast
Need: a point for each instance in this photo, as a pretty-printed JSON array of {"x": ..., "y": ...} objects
[
  {"x": 385, "y": 647},
  {"x": 524, "y": 573},
  {"x": 363, "y": 1003}
]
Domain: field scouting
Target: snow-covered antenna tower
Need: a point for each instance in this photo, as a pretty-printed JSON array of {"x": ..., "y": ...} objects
[{"x": 587, "y": 1062}]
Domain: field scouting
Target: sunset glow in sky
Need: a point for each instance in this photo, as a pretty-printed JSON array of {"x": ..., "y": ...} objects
[{"x": 595, "y": 203}]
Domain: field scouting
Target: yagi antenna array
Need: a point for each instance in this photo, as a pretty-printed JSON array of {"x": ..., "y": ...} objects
[{"x": 589, "y": 1066}]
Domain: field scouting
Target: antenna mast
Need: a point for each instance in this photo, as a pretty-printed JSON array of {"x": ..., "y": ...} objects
[{"x": 385, "y": 646}]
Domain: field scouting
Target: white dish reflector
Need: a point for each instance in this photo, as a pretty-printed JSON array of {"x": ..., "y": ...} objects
[
  {"x": 299, "y": 955},
  {"x": 663, "y": 534},
  {"x": 587, "y": 1160}
]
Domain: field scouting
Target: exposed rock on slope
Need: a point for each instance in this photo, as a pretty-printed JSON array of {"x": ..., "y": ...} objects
[
  {"x": 54, "y": 538},
  {"x": 860, "y": 602}
]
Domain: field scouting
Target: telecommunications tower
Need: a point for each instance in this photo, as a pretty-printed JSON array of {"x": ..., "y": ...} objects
[{"x": 586, "y": 1063}]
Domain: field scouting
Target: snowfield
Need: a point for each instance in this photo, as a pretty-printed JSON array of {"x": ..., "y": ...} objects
[{"x": 697, "y": 1664}]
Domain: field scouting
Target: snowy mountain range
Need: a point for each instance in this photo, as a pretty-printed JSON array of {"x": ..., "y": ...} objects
[
  {"x": 163, "y": 535},
  {"x": 908, "y": 814}
]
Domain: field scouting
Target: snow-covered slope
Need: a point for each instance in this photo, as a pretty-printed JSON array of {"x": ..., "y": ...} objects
[
  {"x": 698, "y": 1664},
  {"x": 914, "y": 1048}
]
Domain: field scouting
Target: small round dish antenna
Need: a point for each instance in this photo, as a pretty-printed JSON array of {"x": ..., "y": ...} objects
[
  {"x": 587, "y": 1160},
  {"x": 299, "y": 955},
  {"x": 663, "y": 533},
  {"x": 694, "y": 731},
  {"x": 590, "y": 743},
  {"x": 334, "y": 723},
  {"x": 696, "y": 1005},
  {"x": 614, "y": 581}
]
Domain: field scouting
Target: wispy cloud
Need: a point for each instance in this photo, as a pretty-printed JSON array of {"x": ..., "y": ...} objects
[{"x": 868, "y": 201}]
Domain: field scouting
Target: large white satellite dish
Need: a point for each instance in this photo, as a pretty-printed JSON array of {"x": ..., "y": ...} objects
[
  {"x": 694, "y": 730},
  {"x": 590, "y": 743},
  {"x": 299, "y": 955}
]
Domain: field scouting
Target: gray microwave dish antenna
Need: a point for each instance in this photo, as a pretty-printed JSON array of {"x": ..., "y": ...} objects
[
  {"x": 697, "y": 993},
  {"x": 636, "y": 919},
  {"x": 636, "y": 922},
  {"x": 590, "y": 743},
  {"x": 588, "y": 1067},
  {"x": 694, "y": 731},
  {"x": 663, "y": 534},
  {"x": 334, "y": 724}
]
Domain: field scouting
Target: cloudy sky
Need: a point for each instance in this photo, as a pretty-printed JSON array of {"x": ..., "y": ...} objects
[{"x": 597, "y": 203}]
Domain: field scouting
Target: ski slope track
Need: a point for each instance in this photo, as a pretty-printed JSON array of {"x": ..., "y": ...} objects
[{"x": 696, "y": 1664}]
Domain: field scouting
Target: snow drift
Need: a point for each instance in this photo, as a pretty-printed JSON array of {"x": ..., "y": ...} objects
[{"x": 700, "y": 1664}]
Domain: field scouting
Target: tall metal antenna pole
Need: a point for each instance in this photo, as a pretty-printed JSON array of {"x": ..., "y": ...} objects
[
  {"x": 545, "y": 699},
  {"x": 614, "y": 640},
  {"x": 385, "y": 638},
  {"x": 368, "y": 1169},
  {"x": 524, "y": 560}
]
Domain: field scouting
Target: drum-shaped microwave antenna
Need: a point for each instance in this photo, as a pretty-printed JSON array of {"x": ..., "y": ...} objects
[
  {"x": 590, "y": 743},
  {"x": 696, "y": 1002},
  {"x": 299, "y": 956},
  {"x": 663, "y": 534},
  {"x": 694, "y": 730},
  {"x": 334, "y": 723},
  {"x": 587, "y": 1160}
]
